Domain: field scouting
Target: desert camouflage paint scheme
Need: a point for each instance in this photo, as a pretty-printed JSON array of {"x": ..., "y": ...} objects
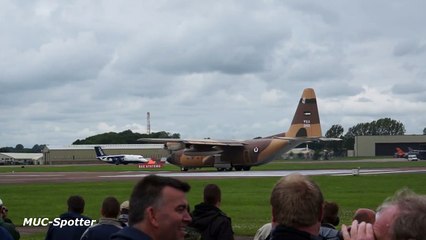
[{"x": 242, "y": 155}]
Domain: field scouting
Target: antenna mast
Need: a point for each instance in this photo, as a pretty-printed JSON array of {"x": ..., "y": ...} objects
[{"x": 148, "y": 123}]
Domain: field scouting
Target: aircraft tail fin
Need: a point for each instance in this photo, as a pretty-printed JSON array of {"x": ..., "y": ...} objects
[
  {"x": 306, "y": 121},
  {"x": 99, "y": 151},
  {"x": 399, "y": 150}
]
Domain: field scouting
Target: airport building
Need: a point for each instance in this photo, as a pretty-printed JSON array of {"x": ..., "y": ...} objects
[
  {"x": 85, "y": 154},
  {"x": 369, "y": 146},
  {"x": 21, "y": 158}
]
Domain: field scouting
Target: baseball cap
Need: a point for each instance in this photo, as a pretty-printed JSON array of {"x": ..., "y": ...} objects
[{"x": 124, "y": 205}]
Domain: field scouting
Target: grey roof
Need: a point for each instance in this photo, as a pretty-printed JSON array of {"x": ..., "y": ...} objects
[
  {"x": 107, "y": 146},
  {"x": 33, "y": 156}
]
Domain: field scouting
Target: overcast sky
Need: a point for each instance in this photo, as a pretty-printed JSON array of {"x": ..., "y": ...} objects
[{"x": 218, "y": 69}]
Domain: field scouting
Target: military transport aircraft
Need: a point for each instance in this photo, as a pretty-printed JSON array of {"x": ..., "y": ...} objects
[
  {"x": 119, "y": 159},
  {"x": 242, "y": 155}
]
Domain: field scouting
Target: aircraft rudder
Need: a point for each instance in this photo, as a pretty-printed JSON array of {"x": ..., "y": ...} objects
[
  {"x": 99, "y": 152},
  {"x": 306, "y": 121}
]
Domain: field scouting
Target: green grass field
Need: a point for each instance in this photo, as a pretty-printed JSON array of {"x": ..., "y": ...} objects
[{"x": 245, "y": 200}]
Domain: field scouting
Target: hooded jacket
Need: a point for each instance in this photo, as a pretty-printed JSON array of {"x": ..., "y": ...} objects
[
  {"x": 212, "y": 223},
  {"x": 103, "y": 230}
]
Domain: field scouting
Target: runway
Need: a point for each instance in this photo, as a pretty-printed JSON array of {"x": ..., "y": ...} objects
[{"x": 61, "y": 177}]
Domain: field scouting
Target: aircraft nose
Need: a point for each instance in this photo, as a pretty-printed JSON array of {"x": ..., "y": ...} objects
[{"x": 172, "y": 159}]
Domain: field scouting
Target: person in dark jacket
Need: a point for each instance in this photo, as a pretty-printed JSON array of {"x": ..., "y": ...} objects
[
  {"x": 158, "y": 210},
  {"x": 4, "y": 234},
  {"x": 297, "y": 208},
  {"x": 6, "y": 223},
  {"x": 74, "y": 222},
  {"x": 108, "y": 223},
  {"x": 208, "y": 219}
]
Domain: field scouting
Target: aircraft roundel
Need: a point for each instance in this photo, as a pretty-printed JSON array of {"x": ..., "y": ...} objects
[{"x": 256, "y": 149}]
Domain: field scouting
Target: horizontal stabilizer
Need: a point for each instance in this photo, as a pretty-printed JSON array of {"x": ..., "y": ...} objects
[{"x": 308, "y": 139}]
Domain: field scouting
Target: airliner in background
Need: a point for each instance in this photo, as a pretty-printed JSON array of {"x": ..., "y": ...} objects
[{"x": 119, "y": 158}]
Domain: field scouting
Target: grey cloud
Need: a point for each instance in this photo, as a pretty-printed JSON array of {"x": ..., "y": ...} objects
[
  {"x": 58, "y": 62},
  {"x": 409, "y": 48}
]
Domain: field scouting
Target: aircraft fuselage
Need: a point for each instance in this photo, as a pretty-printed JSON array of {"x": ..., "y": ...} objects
[{"x": 253, "y": 153}]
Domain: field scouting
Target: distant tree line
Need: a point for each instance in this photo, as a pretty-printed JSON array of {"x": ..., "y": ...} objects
[
  {"x": 125, "y": 137},
  {"x": 19, "y": 148}
]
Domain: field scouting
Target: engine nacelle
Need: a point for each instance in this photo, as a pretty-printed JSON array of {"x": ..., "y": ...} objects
[{"x": 174, "y": 146}]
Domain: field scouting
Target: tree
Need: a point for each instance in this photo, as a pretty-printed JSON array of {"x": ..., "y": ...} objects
[
  {"x": 19, "y": 147},
  {"x": 336, "y": 131},
  {"x": 125, "y": 137},
  {"x": 383, "y": 126}
]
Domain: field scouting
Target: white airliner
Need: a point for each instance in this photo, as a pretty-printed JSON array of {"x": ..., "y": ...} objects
[{"x": 120, "y": 158}]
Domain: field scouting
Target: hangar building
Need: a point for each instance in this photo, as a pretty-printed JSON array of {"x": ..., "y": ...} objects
[
  {"x": 369, "y": 146},
  {"x": 20, "y": 158},
  {"x": 85, "y": 154}
]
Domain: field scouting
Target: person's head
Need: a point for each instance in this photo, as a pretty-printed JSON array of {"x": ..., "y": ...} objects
[
  {"x": 401, "y": 217},
  {"x": 3, "y": 210},
  {"x": 331, "y": 213},
  {"x": 158, "y": 206},
  {"x": 296, "y": 202},
  {"x": 76, "y": 204},
  {"x": 124, "y": 207},
  {"x": 212, "y": 194},
  {"x": 365, "y": 215},
  {"x": 110, "y": 207}
]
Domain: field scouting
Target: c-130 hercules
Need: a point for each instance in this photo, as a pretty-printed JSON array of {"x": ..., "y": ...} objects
[{"x": 242, "y": 155}]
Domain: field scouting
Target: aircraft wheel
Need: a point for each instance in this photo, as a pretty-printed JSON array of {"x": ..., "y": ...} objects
[
  {"x": 238, "y": 168},
  {"x": 246, "y": 168},
  {"x": 184, "y": 169}
]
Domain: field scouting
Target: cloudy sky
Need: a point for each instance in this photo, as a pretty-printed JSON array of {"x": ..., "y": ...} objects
[{"x": 218, "y": 69}]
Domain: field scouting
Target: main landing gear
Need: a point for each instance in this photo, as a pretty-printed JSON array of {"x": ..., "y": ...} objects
[{"x": 237, "y": 168}]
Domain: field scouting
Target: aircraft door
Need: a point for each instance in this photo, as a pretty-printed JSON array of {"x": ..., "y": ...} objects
[{"x": 246, "y": 156}]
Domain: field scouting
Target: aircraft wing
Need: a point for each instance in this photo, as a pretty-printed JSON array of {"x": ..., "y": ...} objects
[
  {"x": 307, "y": 139},
  {"x": 208, "y": 142}
]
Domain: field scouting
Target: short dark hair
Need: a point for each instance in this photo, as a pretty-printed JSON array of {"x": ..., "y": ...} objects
[
  {"x": 110, "y": 207},
  {"x": 76, "y": 204},
  {"x": 331, "y": 213},
  {"x": 212, "y": 194},
  {"x": 148, "y": 192}
]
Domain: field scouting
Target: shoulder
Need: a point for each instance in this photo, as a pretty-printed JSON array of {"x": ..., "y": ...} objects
[
  {"x": 129, "y": 233},
  {"x": 263, "y": 232}
]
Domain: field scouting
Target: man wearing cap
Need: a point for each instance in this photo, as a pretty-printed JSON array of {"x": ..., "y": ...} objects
[
  {"x": 124, "y": 214},
  {"x": 6, "y": 225}
]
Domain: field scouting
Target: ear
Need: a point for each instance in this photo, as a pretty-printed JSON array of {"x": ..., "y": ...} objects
[
  {"x": 152, "y": 218},
  {"x": 272, "y": 214},
  {"x": 321, "y": 214}
]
